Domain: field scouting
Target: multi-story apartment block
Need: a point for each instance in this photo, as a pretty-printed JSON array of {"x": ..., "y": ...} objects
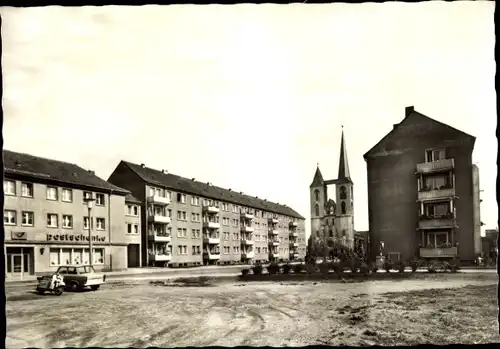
[
  {"x": 186, "y": 222},
  {"x": 46, "y": 217},
  {"x": 420, "y": 191}
]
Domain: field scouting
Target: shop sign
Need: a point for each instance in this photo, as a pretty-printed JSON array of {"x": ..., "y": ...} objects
[
  {"x": 77, "y": 238},
  {"x": 18, "y": 235}
]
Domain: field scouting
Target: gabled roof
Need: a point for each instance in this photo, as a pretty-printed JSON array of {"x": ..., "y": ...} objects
[
  {"x": 344, "y": 173},
  {"x": 130, "y": 198},
  {"x": 411, "y": 113},
  {"x": 35, "y": 167},
  {"x": 318, "y": 178},
  {"x": 191, "y": 186}
]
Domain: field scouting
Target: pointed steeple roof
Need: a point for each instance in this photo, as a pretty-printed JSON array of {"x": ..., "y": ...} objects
[
  {"x": 318, "y": 178},
  {"x": 343, "y": 164}
]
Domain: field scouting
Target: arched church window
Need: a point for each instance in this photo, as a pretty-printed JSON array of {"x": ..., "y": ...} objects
[
  {"x": 316, "y": 210},
  {"x": 343, "y": 193},
  {"x": 331, "y": 209},
  {"x": 316, "y": 194},
  {"x": 342, "y": 207}
]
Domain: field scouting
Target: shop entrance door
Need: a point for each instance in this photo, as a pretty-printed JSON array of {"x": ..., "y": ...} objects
[{"x": 18, "y": 263}]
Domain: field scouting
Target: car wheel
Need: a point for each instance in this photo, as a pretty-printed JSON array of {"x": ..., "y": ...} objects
[
  {"x": 94, "y": 287},
  {"x": 74, "y": 286},
  {"x": 40, "y": 291},
  {"x": 58, "y": 291}
]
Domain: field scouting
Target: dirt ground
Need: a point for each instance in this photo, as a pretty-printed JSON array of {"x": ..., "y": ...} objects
[{"x": 439, "y": 309}]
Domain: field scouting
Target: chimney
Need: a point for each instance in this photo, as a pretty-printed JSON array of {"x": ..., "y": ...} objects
[
  {"x": 208, "y": 183},
  {"x": 256, "y": 197},
  {"x": 394, "y": 126},
  {"x": 193, "y": 179},
  {"x": 142, "y": 165},
  {"x": 409, "y": 110},
  {"x": 91, "y": 172},
  {"x": 241, "y": 192},
  {"x": 229, "y": 189}
]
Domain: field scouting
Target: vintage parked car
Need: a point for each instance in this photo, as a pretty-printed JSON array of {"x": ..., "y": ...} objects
[{"x": 79, "y": 277}]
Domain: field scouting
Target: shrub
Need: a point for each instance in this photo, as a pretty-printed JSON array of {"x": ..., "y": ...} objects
[
  {"x": 286, "y": 268},
  {"x": 245, "y": 271},
  {"x": 298, "y": 268},
  {"x": 337, "y": 267},
  {"x": 273, "y": 268},
  {"x": 257, "y": 269},
  {"x": 432, "y": 266},
  {"x": 324, "y": 268},
  {"x": 364, "y": 268},
  {"x": 414, "y": 264},
  {"x": 310, "y": 268},
  {"x": 373, "y": 267},
  {"x": 400, "y": 266}
]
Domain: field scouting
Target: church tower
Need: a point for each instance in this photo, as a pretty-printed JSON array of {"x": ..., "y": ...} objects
[
  {"x": 344, "y": 188},
  {"x": 318, "y": 200}
]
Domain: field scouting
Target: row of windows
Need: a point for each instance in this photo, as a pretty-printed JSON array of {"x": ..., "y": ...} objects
[
  {"x": 132, "y": 228},
  {"x": 343, "y": 208},
  {"x": 195, "y": 201},
  {"x": 132, "y": 210},
  {"x": 68, "y": 256},
  {"x": 52, "y": 220},
  {"x": 51, "y": 193},
  {"x": 197, "y": 249}
]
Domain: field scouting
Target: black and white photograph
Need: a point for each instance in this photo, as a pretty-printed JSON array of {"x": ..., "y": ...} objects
[{"x": 247, "y": 174}]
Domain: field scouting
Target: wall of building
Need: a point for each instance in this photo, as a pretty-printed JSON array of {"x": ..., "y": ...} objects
[
  {"x": 476, "y": 209},
  {"x": 392, "y": 187},
  {"x": 316, "y": 220},
  {"x": 39, "y": 237}
]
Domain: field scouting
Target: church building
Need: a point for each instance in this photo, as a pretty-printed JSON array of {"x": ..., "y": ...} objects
[{"x": 333, "y": 219}]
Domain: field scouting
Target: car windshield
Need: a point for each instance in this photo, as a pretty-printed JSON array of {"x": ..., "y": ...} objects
[{"x": 86, "y": 270}]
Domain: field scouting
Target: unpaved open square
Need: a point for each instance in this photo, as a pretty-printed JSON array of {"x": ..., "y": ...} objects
[{"x": 460, "y": 309}]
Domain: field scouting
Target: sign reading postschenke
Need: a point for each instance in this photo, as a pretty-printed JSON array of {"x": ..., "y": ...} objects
[{"x": 75, "y": 238}]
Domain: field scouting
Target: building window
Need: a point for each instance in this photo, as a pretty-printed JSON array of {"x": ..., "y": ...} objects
[
  {"x": 181, "y": 215},
  {"x": 132, "y": 228},
  {"x": 343, "y": 193},
  {"x": 181, "y": 198},
  {"x": 9, "y": 187},
  {"x": 434, "y": 155},
  {"x": 52, "y": 220},
  {"x": 316, "y": 210},
  {"x": 343, "y": 207},
  {"x": 99, "y": 199},
  {"x": 437, "y": 239},
  {"x": 67, "y": 195},
  {"x": 67, "y": 221},
  {"x": 86, "y": 195},
  {"x": 51, "y": 193},
  {"x": 100, "y": 224},
  {"x": 195, "y": 201},
  {"x": 316, "y": 194},
  {"x": 181, "y": 232},
  {"x": 28, "y": 219},
  {"x": 132, "y": 210},
  {"x": 9, "y": 217},
  {"x": 437, "y": 182},
  {"x": 68, "y": 256},
  {"x": 86, "y": 222},
  {"x": 27, "y": 190}
]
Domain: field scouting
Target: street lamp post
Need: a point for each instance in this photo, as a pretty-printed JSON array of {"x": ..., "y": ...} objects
[{"x": 90, "y": 202}]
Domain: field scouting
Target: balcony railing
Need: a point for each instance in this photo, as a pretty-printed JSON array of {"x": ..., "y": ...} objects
[
  {"x": 158, "y": 200},
  {"x": 294, "y": 244},
  {"x": 248, "y": 255},
  {"x": 211, "y": 240},
  {"x": 447, "y": 221},
  {"x": 436, "y": 166},
  {"x": 159, "y": 219},
  {"x": 275, "y": 255},
  {"x": 247, "y": 229},
  {"x": 159, "y": 237},
  {"x": 246, "y": 241},
  {"x": 274, "y": 243},
  {"x": 294, "y": 224},
  {"x": 294, "y": 234},
  {"x": 429, "y": 252},
  {"x": 210, "y": 209},
  {"x": 442, "y": 193},
  {"x": 157, "y": 257},
  {"x": 211, "y": 225},
  {"x": 211, "y": 255},
  {"x": 273, "y": 232},
  {"x": 247, "y": 215},
  {"x": 273, "y": 220}
]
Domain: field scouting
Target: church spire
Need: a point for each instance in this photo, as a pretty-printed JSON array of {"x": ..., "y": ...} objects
[
  {"x": 343, "y": 164},
  {"x": 318, "y": 178}
]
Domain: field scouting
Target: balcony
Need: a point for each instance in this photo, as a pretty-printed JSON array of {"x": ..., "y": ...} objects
[
  {"x": 294, "y": 244},
  {"x": 294, "y": 224},
  {"x": 434, "y": 194},
  {"x": 211, "y": 225},
  {"x": 210, "y": 209},
  {"x": 159, "y": 219},
  {"x": 436, "y": 166},
  {"x": 273, "y": 220},
  {"x": 211, "y": 240},
  {"x": 211, "y": 255},
  {"x": 294, "y": 234},
  {"x": 248, "y": 255},
  {"x": 158, "y": 200},
  {"x": 274, "y": 243},
  {"x": 294, "y": 254},
  {"x": 429, "y": 252},
  {"x": 247, "y": 229},
  {"x": 247, "y": 215},
  {"x": 437, "y": 222},
  {"x": 247, "y": 242},
  {"x": 275, "y": 255},
  {"x": 273, "y": 232},
  {"x": 155, "y": 257},
  {"x": 159, "y": 237}
]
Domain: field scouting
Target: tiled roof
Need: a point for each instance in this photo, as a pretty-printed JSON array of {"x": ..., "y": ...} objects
[
  {"x": 53, "y": 170},
  {"x": 131, "y": 198},
  {"x": 190, "y": 186}
]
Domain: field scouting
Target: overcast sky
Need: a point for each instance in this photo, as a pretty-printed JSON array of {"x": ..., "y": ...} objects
[{"x": 248, "y": 97}]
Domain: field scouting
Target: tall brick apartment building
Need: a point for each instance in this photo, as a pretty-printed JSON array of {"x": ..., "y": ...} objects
[
  {"x": 420, "y": 191},
  {"x": 186, "y": 222}
]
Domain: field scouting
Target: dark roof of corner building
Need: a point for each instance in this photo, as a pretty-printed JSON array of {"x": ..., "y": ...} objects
[
  {"x": 410, "y": 111},
  {"x": 192, "y": 186},
  {"x": 35, "y": 167},
  {"x": 131, "y": 198}
]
